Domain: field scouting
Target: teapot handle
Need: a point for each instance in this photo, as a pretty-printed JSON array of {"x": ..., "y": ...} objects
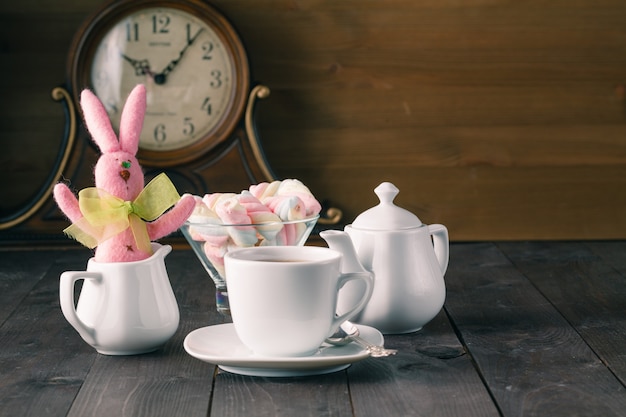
[{"x": 439, "y": 232}]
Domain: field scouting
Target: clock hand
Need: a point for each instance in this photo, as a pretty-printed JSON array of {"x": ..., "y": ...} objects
[
  {"x": 161, "y": 77},
  {"x": 141, "y": 67}
]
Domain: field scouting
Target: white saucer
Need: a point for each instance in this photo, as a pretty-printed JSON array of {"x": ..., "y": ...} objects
[{"x": 220, "y": 345}]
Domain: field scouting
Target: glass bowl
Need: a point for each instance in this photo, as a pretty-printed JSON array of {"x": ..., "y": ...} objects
[{"x": 211, "y": 241}]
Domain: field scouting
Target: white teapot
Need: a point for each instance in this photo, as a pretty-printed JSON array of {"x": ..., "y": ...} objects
[{"x": 408, "y": 259}]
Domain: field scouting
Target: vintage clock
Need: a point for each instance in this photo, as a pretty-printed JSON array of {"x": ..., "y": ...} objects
[
  {"x": 199, "y": 125},
  {"x": 190, "y": 59}
]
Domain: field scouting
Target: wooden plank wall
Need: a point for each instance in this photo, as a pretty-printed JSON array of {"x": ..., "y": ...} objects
[{"x": 500, "y": 119}]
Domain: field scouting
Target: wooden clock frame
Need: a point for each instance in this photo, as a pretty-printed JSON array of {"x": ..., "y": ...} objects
[{"x": 94, "y": 29}]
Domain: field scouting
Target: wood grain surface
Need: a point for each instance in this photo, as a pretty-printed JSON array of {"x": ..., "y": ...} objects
[
  {"x": 526, "y": 336},
  {"x": 528, "y": 328},
  {"x": 502, "y": 120}
]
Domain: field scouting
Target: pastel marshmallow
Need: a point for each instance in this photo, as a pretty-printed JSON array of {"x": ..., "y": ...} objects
[{"x": 233, "y": 213}]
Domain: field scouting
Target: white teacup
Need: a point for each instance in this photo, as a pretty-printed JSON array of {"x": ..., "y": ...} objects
[{"x": 283, "y": 299}]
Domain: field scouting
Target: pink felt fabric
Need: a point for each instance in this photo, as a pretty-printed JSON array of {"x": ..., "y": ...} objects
[{"x": 118, "y": 172}]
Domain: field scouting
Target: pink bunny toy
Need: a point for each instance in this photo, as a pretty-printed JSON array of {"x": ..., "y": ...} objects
[{"x": 112, "y": 215}]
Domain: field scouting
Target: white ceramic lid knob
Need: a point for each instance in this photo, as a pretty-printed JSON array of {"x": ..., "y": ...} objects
[
  {"x": 386, "y": 215},
  {"x": 386, "y": 192}
]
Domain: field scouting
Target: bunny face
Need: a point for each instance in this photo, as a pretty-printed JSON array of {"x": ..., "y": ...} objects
[{"x": 120, "y": 174}]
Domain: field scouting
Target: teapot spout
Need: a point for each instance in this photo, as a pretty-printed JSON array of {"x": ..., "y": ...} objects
[{"x": 341, "y": 242}]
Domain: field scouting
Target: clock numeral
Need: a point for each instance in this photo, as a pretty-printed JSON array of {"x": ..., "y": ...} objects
[
  {"x": 207, "y": 50},
  {"x": 159, "y": 133},
  {"x": 132, "y": 32},
  {"x": 217, "y": 79},
  {"x": 188, "y": 128},
  {"x": 191, "y": 39},
  {"x": 111, "y": 107},
  {"x": 101, "y": 79},
  {"x": 206, "y": 106},
  {"x": 160, "y": 24}
]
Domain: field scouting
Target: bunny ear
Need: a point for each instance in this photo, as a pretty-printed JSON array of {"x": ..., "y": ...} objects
[
  {"x": 98, "y": 123},
  {"x": 131, "y": 122}
]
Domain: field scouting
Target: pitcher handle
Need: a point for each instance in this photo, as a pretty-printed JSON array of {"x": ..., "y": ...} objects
[
  {"x": 368, "y": 278},
  {"x": 66, "y": 298},
  {"x": 439, "y": 232}
]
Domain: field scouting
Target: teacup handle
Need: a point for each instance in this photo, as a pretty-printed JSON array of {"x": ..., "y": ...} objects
[
  {"x": 66, "y": 298},
  {"x": 369, "y": 287}
]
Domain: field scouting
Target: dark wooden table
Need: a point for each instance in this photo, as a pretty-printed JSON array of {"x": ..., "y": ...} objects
[{"x": 528, "y": 329}]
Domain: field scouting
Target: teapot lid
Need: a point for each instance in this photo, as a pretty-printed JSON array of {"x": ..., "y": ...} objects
[{"x": 386, "y": 215}]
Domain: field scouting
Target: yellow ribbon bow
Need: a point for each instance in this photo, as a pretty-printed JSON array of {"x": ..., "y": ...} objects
[{"x": 105, "y": 215}]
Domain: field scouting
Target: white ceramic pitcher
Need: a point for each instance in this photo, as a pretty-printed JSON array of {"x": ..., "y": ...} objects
[
  {"x": 408, "y": 260},
  {"x": 124, "y": 308}
]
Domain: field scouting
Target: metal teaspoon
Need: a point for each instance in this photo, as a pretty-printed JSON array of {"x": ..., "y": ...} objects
[{"x": 348, "y": 333}]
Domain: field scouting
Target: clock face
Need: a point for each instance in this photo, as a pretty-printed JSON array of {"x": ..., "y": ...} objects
[
  {"x": 188, "y": 73},
  {"x": 188, "y": 56}
]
